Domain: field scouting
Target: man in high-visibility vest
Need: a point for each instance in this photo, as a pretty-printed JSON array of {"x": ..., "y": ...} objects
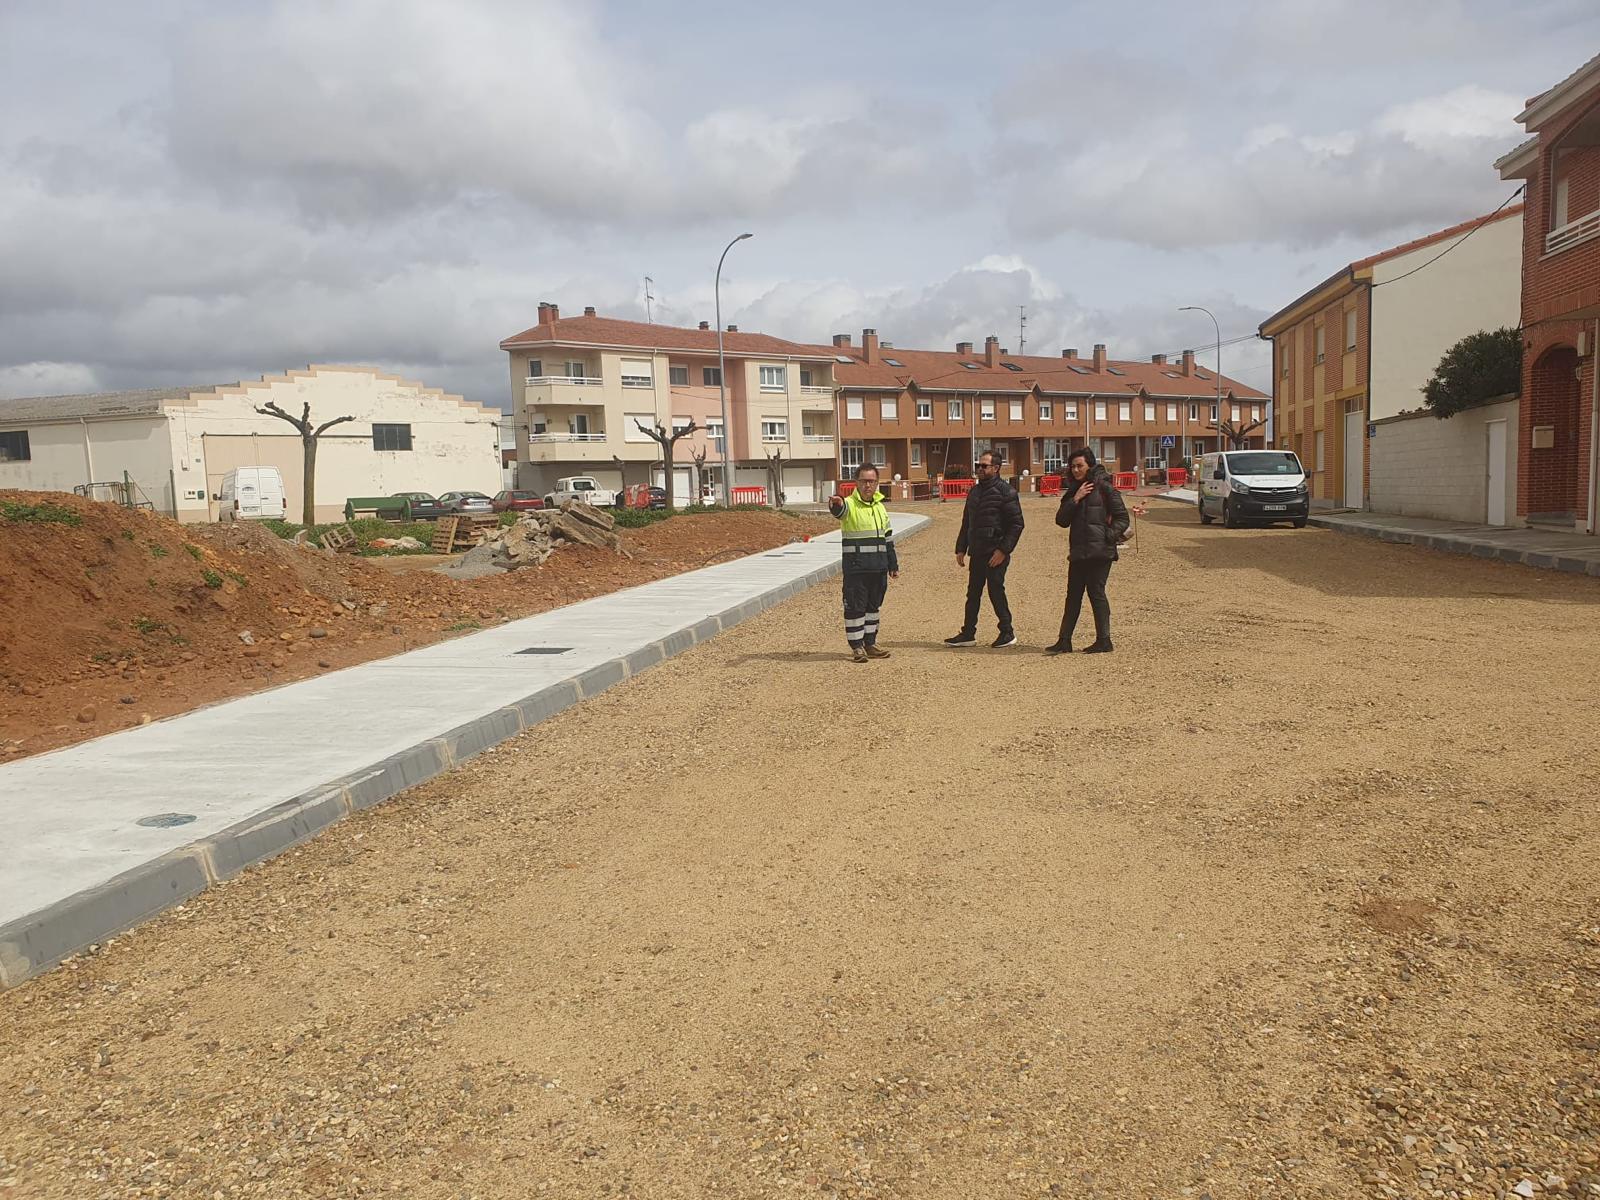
[{"x": 869, "y": 562}]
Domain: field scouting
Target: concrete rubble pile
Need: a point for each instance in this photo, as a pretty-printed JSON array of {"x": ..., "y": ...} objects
[{"x": 538, "y": 535}]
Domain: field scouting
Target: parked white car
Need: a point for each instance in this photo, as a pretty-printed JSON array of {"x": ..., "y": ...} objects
[{"x": 585, "y": 489}]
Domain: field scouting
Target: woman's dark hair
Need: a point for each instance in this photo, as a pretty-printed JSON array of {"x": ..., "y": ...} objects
[{"x": 1084, "y": 453}]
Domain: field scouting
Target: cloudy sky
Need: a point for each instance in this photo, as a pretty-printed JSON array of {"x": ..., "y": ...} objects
[{"x": 195, "y": 193}]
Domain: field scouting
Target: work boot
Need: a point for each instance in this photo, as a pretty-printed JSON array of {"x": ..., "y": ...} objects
[
  {"x": 858, "y": 654},
  {"x": 875, "y": 651},
  {"x": 1102, "y": 646},
  {"x": 1061, "y": 647}
]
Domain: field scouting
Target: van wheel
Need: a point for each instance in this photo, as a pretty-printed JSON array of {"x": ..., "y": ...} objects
[
  {"x": 1205, "y": 517},
  {"x": 1229, "y": 520}
]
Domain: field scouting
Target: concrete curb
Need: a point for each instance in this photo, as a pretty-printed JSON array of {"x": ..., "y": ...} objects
[
  {"x": 1453, "y": 544},
  {"x": 44, "y": 938}
]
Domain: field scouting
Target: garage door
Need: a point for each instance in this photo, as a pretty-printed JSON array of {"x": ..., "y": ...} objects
[{"x": 799, "y": 485}]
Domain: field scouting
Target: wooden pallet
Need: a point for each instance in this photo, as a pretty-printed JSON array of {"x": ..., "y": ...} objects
[
  {"x": 444, "y": 535},
  {"x": 341, "y": 539}
]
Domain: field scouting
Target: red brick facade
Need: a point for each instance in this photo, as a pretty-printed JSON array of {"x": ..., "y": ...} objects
[{"x": 1560, "y": 296}]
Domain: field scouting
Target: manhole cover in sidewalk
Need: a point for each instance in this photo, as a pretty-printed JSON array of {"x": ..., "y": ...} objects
[
  {"x": 546, "y": 650},
  {"x": 165, "y": 820}
]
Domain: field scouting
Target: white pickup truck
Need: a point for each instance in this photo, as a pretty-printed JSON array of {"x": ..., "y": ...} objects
[{"x": 585, "y": 489}]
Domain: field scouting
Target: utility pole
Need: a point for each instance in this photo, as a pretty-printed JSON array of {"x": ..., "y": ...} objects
[{"x": 649, "y": 320}]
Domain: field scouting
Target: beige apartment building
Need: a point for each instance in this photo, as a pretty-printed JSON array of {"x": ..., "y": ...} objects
[{"x": 581, "y": 386}]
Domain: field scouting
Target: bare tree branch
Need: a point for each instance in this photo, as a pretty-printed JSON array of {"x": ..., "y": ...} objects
[
  {"x": 271, "y": 409},
  {"x": 330, "y": 424}
]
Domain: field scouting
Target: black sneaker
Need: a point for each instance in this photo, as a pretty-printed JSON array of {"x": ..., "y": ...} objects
[
  {"x": 961, "y": 639},
  {"x": 1104, "y": 647},
  {"x": 1004, "y": 640},
  {"x": 1059, "y": 648}
]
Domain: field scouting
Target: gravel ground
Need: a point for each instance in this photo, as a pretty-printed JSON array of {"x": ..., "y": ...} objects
[{"x": 1293, "y": 895}]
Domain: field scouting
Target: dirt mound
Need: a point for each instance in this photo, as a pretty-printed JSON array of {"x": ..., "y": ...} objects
[{"x": 111, "y": 616}]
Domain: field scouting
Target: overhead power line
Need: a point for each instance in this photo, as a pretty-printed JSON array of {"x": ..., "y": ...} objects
[{"x": 1457, "y": 242}]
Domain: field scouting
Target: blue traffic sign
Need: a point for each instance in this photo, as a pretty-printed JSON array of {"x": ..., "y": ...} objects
[{"x": 1168, "y": 441}]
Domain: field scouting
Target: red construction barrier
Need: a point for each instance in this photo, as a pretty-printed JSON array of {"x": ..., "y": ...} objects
[
  {"x": 846, "y": 488},
  {"x": 1177, "y": 477},
  {"x": 955, "y": 489},
  {"x": 1126, "y": 481},
  {"x": 1049, "y": 485},
  {"x": 921, "y": 489},
  {"x": 749, "y": 495}
]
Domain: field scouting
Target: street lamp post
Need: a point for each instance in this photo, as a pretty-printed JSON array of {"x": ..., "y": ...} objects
[
  {"x": 1213, "y": 316},
  {"x": 722, "y": 382}
]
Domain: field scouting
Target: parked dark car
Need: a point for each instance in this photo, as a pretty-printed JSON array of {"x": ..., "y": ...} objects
[
  {"x": 658, "y": 497},
  {"x": 423, "y": 506},
  {"x": 517, "y": 501},
  {"x": 459, "y": 503}
]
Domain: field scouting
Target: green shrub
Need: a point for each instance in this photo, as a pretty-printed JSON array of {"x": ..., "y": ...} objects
[
  {"x": 157, "y": 550},
  {"x": 194, "y": 551},
  {"x": 213, "y": 580},
  {"x": 40, "y": 514}
]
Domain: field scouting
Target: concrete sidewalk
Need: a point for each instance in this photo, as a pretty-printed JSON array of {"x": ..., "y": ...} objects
[
  {"x": 1573, "y": 552},
  {"x": 103, "y": 835}
]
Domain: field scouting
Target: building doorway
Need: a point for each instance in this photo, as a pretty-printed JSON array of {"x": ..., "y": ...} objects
[
  {"x": 1355, "y": 449},
  {"x": 1496, "y": 437}
]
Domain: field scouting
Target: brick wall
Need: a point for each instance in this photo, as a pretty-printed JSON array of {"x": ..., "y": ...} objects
[{"x": 1425, "y": 467}]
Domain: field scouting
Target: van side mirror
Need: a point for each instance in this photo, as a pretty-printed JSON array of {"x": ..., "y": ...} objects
[
  {"x": 216, "y": 495},
  {"x": 1219, "y": 473}
]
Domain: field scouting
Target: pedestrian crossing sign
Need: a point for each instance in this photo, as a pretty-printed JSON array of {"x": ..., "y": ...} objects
[{"x": 1168, "y": 441}]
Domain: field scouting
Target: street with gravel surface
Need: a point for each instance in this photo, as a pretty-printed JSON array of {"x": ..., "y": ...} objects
[{"x": 1296, "y": 894}]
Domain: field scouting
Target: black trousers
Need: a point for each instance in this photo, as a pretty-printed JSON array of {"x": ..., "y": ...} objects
[
  {"x": 979, "y": 576},
  {"x": 863, "y": 597},
  {"x": 1087, "y": 575}
]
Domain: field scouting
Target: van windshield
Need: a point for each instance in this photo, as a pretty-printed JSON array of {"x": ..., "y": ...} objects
[{"x": 1264, "y": 462}]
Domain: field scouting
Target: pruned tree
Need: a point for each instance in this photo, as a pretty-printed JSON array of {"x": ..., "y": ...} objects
[
  {"x": 1237, "y": 432},
  {"x": 1481, "y": 367},
  {"x": 667, "y": 439},
  {"x": 775, "y": 464},
  {"x": 698, "y": 457},
  {"x": 309, "y": 435}
]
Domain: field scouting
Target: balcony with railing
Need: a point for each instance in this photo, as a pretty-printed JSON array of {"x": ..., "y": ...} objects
[
  {"x": 1564, "y": 237},
  {"x": 563, "y": 389}
]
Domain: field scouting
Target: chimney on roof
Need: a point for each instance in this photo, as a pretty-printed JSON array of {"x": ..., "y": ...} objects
[
  {"x": 1070, "y": 352},
  {"x": 869, "y": 345},
  {"x": 705, "y": 324},
  {"x": 588, "y": 310},
  {"x": 991, "y": 351},
  {"x": 1160, "y": 360},
  {"x": 733, "y": 329},
  {"x": 549, "y": 314},
  {"x": 1099, "y": 356},
  {"x": 1188, "y": 362},
  {"x": 963, "y": 347},
  {"x": 841, "y": 340}
]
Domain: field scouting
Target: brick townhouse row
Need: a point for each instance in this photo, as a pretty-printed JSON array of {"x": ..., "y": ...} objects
[{"x": 920, "y": 414}]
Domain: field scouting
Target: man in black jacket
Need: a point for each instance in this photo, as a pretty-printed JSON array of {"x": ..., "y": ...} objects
[{"x": 991, "y": 526}]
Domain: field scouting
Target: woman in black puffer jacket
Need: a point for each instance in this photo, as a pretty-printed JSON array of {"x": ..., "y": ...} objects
[{"x": 1096, "y": 519}]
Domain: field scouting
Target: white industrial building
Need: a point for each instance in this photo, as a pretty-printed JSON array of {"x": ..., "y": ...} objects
[{"x": 175, "y": 444}]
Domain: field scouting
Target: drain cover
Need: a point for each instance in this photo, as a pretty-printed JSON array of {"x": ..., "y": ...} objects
[
  {"x": 165, "y": 820},
  {"x": 546, "y": 650}
]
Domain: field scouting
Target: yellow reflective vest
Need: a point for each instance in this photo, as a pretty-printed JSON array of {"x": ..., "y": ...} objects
[{"x": 868, "y": 536}]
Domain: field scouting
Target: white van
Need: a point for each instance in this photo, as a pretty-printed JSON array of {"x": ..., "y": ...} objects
[
  {"x": 252, "y": 494},
  {"x": 1253, "y": 485}
]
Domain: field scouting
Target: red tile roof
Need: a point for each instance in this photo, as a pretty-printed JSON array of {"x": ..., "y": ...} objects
[
  {"x": 940, "y": 370},
  {"x": 637, "y": 335}
]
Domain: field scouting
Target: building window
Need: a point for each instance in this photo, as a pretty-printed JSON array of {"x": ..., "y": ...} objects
[
  {"x": 1172, "y": 412},
  {"x": 630, "y": 426},
  {"x": 1016, "y": 410},
  {"x": 391, "y": 437},
  {"x": 1069, "y": 410},
  {"x": 1318, "y": 444},
  {"x": 890, "y": 407},
  {"x": 711, "y": 376},
  {"x": 1154, "y": 462},
  {"x": 916, "y": 454},
  {"x": 1125, "y": 411},
  {"x": 1349, "y": 329},
  {"x": 1213, "y": 414},
  {"x": 1194, "y": 412},
  {"x": 1319, "y": 343},
  {"x": 678, "y": 376},
  {"x": 955, "y": 410},
  {"x": 774, "y": 430},
  {"x": 535, "y": 368},
  {"x": 576, "y": 370},
  {"x": 852, "y": 455},
  {"x": 924, "y": 410},
  {"x": 1149, "y": 412},
  {"x": 1255, "y": 412},
  {"x": 999, "y": 452},
  {"x": 1238, "y": 414},
  {"x": 878, "y": 454},
  {"x": 805, "y": 378},
  {"x": 714, "y": 431},
  {"x": 681, "y": 423},
  {"x": 772, "y": 379},
  {"x": 1099, "y": 410},
  {"x": 14, "y": 446},
  {"x": 1046, "y": 411},
  {"x": 1558, "y": 207},
  {"x": 986, "y": 410},
  {"x": 636, "y": 373},
  {"x": 854, "y": 408}
]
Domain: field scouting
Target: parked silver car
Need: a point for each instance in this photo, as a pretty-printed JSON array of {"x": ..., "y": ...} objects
[{"x": 458, "y": 503}]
